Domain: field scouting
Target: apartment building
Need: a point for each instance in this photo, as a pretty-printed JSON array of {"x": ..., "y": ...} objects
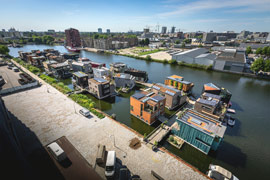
[
  {"x": 147, "y": 106},
  {"x": 73, "y": 38},
  {"x": 174, "y": 97}
]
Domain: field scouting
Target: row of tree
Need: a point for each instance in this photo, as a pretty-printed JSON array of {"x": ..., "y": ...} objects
[
  {"x": 4, "y": 49},
  {"x": 260, "y": 51},
  {"x": 144, "y": 42},
  {"x": 260, "y": 65}
]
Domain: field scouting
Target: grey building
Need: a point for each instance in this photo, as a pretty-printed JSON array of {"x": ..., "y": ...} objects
[
  {"x": 189, "y": 56},
  {"x": 230, "y": 60},
  {"x": 173, "y": 30},
  {"x": 124, "y": 80},
  {"x": 84, "y": 67},
  {"x": 99, "y": 30},
  {"x": 108, "y": 31},
  {"x": 163, "y": 30}
]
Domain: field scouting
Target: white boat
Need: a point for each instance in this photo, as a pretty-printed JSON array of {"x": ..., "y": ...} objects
[
  {"x": 219, "y": 173},
  {"x": 231, "y": 111},
  {"x": 231, "y": 121}
]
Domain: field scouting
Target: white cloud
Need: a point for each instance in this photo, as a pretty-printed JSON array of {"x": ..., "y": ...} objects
[{"x": 237, "y": 6}]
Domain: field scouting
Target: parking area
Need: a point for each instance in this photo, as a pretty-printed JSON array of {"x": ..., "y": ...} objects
[{"x": 10, "y": 76}]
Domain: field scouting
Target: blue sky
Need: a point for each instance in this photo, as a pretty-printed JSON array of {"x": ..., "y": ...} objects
[{"x": 124, "y": 15}]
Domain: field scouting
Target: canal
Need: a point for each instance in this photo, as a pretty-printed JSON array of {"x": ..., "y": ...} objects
[{"x": 246, "y": 147}]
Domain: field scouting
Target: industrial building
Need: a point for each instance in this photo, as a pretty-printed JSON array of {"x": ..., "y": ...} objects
[
  {"x": 200, "y": 131},
  {"x": 230, "y": 60},
  {"x": 195, "y": 56},
  {"x": 174, "y": 97},
  {"x": 147, "y": 106}
]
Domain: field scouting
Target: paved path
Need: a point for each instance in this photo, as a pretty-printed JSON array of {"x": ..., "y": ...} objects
[{"x": 51, "y": 115}]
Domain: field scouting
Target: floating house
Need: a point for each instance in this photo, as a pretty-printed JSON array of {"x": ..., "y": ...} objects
[
  {"x": 200, "y": 131},
  {"x": 84, "y": 67},
  {"x": 217, "y": 90},
  {"x": 139, "y": 75},
  {"x": 80, "y": 79},
  {"x": 147, "y": 106},
  {"x": 174, "y": 97},
  {"x": 118, "y": 67},
  {"x": 211, "y": 105},
  {"x": 178, "y": 83},
  {"x": 61, "y": 70},
  {"x": 124, "y": 80},
  {"x": 100, "y": 88}
]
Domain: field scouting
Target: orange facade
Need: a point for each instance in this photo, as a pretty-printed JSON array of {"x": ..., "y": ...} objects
[{"x": 147, "y": 111}]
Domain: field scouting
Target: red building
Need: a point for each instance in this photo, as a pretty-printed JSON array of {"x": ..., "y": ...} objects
[{"x": 73, "y": 38}]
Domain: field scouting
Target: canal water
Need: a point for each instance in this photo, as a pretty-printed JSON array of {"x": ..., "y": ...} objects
[{"x": 246, "y": 147}]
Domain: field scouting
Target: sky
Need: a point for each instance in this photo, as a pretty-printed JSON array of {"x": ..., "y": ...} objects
[{"x": 125, "y": 15}]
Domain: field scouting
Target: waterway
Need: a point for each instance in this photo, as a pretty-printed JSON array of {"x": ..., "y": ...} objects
[{"x": 246, "y": 147}]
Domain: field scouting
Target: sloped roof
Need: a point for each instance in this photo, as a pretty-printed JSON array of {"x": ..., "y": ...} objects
[{"x": 211, "y": 86}]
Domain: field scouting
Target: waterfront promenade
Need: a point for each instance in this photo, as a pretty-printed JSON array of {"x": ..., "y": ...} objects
[{"x": 51, "y": 115}]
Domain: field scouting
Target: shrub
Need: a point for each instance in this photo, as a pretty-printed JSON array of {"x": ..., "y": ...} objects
[
  {"x": 173, "y": 61},
  {"x": 148, "y": 58},
  {"x": 171, "y": 139}
]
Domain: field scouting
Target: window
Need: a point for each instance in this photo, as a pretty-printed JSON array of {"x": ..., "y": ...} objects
[
  {"x": 206, "y": 108},
  {"x": 131, "y": 108}
]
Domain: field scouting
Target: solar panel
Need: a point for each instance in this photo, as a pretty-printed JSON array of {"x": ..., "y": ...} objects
[
  {"x": 138, "y": 96},
  {"x": 146, "y": 99},
  {"x": 100, "y": 80},
  {"x": 170, "y": 93},
  {"x": 150, "y": 94},
  {"x": 212, "y": 95},
  {"x": 157, "y": 88},
  {"x": 157, "y": 98},
  {"x": 196, "y": 121}
]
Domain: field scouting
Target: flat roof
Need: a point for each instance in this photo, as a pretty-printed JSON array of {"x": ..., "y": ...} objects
[
  {"x": 165, "y": 88},
  {"x": 211, "y": 95},
  {"x": 100, "y": 80},
  {"x": 144, "y": 96},
  {"x": 203, "y": 123},
  {"x": 211, "y": 102},
  {"x": 232, "y": 55},
  {"x": 176, "y": 77},
  {"x": 80, "y": 74}
]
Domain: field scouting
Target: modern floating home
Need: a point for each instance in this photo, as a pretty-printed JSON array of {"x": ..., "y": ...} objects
[
  {"x": 147, "y": 106},
  {"x": 179, "y": 83},
  {"x": 99, "y": 87},
  {"x": 200, "y": 131},
  {"x": 211, "y": 105},
  {"x": 174, "y": 97},
  {"x": 215, "y": 89}
]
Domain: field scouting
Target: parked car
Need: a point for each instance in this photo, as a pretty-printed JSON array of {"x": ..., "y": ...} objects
[
  {"x": 15, "y": 69},
  {"x": 57, "y": 152},
  {"x": 219, "y": 173},
  {"x": 84, "y": 112},
  {"x": 123, "y": 174},
  {"x": 110, "y": 164}
]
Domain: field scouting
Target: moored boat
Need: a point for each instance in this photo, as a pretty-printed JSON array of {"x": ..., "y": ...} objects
[
  {"x": 71, "y": 49},
  {"x": 219, "y": 173}
]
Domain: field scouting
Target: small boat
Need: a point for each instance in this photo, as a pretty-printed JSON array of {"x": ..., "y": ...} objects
[
  {"x": 219, "y": 173},
  {"x": 231, "y": 111},
  {"x": 231, "y": 121},
  {"x": 71, "y": 49}
]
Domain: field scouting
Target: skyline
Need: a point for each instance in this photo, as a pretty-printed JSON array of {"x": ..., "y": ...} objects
[{"x": 122, "y": 16}]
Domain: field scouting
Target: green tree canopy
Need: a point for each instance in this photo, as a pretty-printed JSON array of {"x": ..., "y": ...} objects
[
  {"x": 146, "y": 41},
  {"x": 248, "y": 50},
  {"x": 4, "y": 49},
  {"x": 264, "y": 50},
  {"x": 259, "y": 51},
  {"x": 267, "y": 65},
  {"x": 177, "y": 41},
  {"x": 257, "y": 65},
  {"x": 183, "y": 45}
]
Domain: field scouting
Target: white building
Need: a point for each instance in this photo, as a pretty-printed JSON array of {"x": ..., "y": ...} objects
[
  {"x": 101, "y": 72},
  {"x": 190, "y": 55}
]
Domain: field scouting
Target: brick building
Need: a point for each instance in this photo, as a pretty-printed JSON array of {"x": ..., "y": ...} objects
[{"x": 73, "y": 38}]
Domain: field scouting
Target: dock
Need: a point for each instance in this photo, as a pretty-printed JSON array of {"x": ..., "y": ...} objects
[
  {"x": 144, "y": 84},
  {"x": 159, "y": 134}
]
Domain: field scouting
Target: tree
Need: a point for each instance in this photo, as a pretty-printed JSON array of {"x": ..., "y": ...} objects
[
  {"x": 200, "y": 45},
  {"x": 146, "y": 41},
  {"x": 267, "y": 65},
  {"x": 257, "y": 65},
  {"x": 177, "y": 41},
  {"x": 148, "y": 58},
  {"x": 248, "y": 50},
  {"x": 187, "y": 41},
  {"x": 264, "y": 50},
  {"x": 4, "y": 49},
  {"x": 268, "y": 51},
  {"x": 183, "y": 45},
  {"x": 259, "y": 51}
]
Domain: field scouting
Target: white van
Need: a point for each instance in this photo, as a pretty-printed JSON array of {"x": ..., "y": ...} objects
[
  {"x": 110, "y": 164},
  {"x": 57, "y": 152}
]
